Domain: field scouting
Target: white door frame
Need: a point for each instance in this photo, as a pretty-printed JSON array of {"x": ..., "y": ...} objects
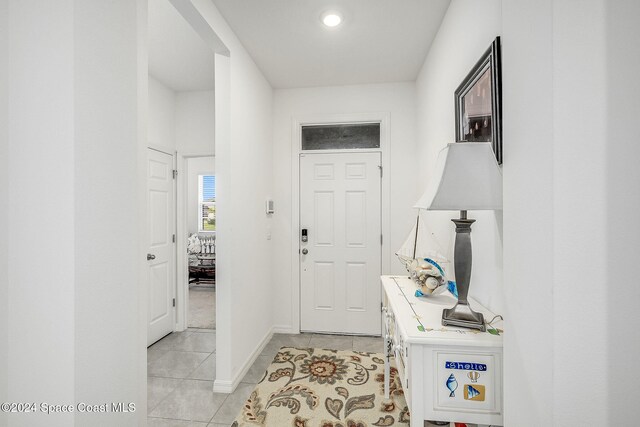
[
  {"x": 182, "y": 264},
  {"x": 173, "y": 155},
  {"x": 296, "y": 150}
]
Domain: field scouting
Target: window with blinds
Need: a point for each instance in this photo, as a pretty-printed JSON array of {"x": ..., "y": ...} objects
[{"x": 206, "y": 203}]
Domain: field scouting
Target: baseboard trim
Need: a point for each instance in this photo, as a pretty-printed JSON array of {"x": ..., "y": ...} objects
[
  {"x": 221, "y": 386},
  {"x": 285, "y": 329},
  {"x": 228, "y": 386}
]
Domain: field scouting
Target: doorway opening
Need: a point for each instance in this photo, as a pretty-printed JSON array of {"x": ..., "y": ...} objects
[
  {"x": 339, "y": 161},
  {"x": 200, "y": 257},
  {"x": 181, "y": 119},
  {"x": 340, "y": 240}
]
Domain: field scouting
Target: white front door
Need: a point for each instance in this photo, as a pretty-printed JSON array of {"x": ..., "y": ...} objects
[
  {"x": 340, "y": 264},
  {"x": 160, "y": 258}
]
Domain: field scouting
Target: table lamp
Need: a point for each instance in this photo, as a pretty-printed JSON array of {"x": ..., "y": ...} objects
[{"x": 467, "y": 177}]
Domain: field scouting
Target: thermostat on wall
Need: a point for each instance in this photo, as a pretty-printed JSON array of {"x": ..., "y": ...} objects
[{"x": 269, "y": 206}]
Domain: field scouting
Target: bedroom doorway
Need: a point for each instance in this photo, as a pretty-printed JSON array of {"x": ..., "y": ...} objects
[{"x": 197, "y": 233}]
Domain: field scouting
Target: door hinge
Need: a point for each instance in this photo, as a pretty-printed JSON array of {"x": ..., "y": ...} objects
[
  {"x": 175, "y": 173},
  {"x": 174, "y": 302},
  {"x": 380, "y": 167},
  {"x": 381, "y": 240},
  {"x": 173, "y": 239}
]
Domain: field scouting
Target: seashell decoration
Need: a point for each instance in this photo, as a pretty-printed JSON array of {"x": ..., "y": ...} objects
[
  {"x": 452, "y": 385},
  {"x": 473, "y": 376}
]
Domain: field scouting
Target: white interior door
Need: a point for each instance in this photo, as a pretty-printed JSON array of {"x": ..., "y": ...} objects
[
  {"x": 340, "y": 264},
  {"x": 160, "y": 258}
]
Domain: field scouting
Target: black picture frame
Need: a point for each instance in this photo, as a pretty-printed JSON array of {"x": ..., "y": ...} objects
[{"x": 481, "y": 89}]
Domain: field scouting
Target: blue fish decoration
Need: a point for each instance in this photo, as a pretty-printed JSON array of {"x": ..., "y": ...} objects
[
  {"x": 472, "y": 392},
  {"x": 452, "y": 385}
]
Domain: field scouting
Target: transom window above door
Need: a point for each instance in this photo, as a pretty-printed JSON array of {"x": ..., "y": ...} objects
[
  {"x": 206, "y": 203},
  {"x": 347, "y": 136}
]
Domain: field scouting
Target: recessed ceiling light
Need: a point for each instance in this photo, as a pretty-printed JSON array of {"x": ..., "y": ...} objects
[{"x": 331, "y": 19}]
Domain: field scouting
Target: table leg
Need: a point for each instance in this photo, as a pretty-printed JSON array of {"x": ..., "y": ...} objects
[{"x": 387, "y": 365}]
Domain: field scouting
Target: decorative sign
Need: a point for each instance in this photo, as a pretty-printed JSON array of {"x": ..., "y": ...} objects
[
  {"x": 467, "y": 382},
  {"x": 466, "y": 366},
  {"x": 474, "y": 392}
]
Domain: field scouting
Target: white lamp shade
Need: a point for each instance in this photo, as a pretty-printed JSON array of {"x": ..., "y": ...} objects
[{"x": 467, "y": 177}]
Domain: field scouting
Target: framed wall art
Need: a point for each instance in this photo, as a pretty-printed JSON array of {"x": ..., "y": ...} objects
[{"x": 478, "y": 102}]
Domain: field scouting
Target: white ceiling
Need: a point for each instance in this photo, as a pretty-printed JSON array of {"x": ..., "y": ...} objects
[
  {"x": 378, "y": 41},
  {"x": 178, "y": 57}
]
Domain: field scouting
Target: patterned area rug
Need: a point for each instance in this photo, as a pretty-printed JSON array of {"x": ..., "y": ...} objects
[{"x": 311, "y": 387}]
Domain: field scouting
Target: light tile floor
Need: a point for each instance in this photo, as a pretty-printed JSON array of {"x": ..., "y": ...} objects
[
  {"x": 202, "y": 306},
  {"x": 181, "y": 369}
]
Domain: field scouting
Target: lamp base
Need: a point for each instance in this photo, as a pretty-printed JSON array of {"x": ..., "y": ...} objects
[{"x": 462, "y": 315}]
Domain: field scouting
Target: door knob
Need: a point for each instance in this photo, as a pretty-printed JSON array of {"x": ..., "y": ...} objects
[
  {"x": 150, "y": 257},
  {"x": 305, "y": 251}
]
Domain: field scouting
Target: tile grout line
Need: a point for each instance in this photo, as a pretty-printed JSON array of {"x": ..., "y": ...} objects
[
  {"x": 201, "y": 363},
  {"x": 164, "y": 398},
  {"x": 218, "y": 410}
]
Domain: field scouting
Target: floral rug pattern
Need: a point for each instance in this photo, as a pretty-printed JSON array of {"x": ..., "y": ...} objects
[{"x": 311, "y": 387}]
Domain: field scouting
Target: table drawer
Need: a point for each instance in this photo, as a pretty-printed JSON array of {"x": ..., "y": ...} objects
[{"x": 399, "y": 348}]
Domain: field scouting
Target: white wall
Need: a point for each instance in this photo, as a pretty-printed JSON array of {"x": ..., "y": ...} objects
[
  {"x": 73, "y": 141},
  {"x": 453, "y": 53},
  {"x": 161, "y": 116},
  {"x": 396, "y": 99},
  {"x": 4, "y": 202},
  {"x": 196, "y": 166},
  {"x": 195, "y": 122},
  {"x": 244, "y": 179},
  {"x": 622, "y": 201},
  {"x": 570, "y": 189},
  {"x": 528, "y": 212},
  {"x": 107, "y": 255},
  {"x": 579, "y": 205},
  {"x": 41, "y": 161},
  {"x": 181, "y": 120}
]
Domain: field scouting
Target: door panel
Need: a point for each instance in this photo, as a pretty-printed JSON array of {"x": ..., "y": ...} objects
[
  {"x": 340, "y": 198},
  {"x": 356, "y": 218},
  {"x": 324, "y": 284},
  {"x": 323, "y": 222},
  {"x": 160, "y": 223},
  {"x": 159, "y": 295},
  {"x": 356, "y": 286}
]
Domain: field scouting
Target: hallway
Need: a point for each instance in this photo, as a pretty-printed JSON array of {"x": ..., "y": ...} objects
[{"x": 181, "y": 369}]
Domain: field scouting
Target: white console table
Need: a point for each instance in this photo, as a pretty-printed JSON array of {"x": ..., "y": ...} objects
[{"x": 447, "y": 373}]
